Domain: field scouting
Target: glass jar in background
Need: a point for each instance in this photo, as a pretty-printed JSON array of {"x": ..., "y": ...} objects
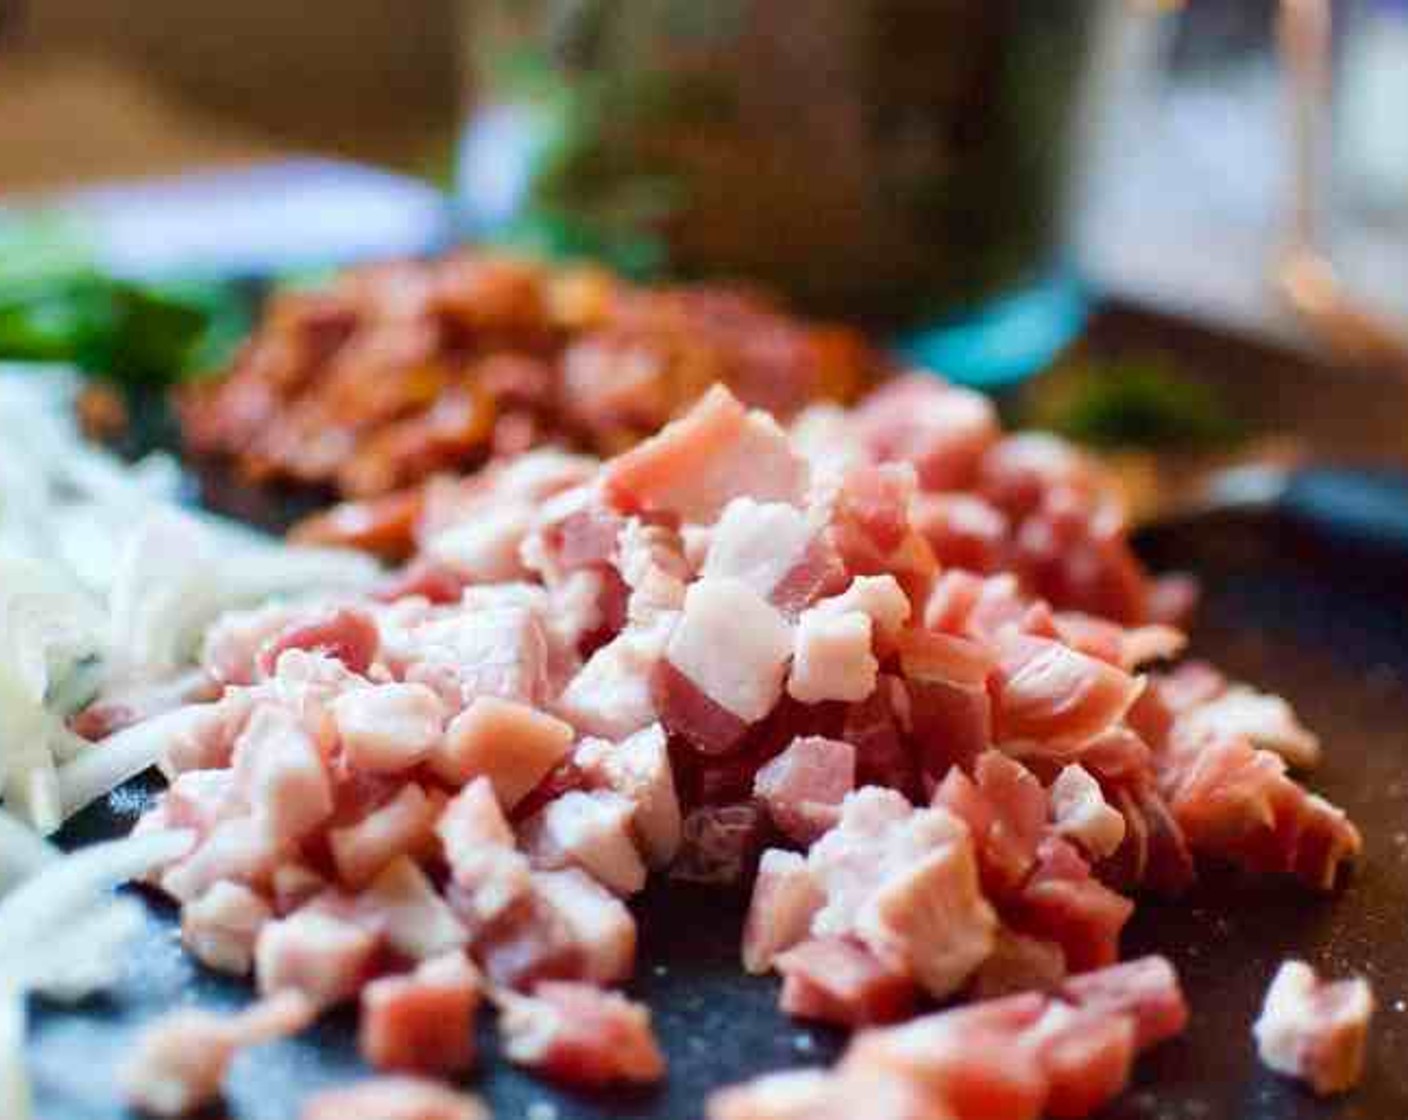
[{"x": 898, "y": 162}]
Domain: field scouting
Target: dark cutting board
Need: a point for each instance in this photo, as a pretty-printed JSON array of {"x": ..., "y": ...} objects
[{"x": 1295, "y": 615}]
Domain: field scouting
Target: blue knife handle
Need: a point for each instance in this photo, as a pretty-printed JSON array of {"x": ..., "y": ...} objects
[{"x": 1366, "y": 509}]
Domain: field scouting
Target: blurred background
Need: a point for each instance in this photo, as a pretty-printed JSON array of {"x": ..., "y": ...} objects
[{"x": 968, "y": 178}]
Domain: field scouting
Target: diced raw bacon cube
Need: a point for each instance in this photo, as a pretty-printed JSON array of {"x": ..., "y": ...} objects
[
  {"x": 836, "y": 980},
  {"x": 785, "y": 899},
  {"x": 687, "y": 712},
  {"x": 1019, "y": 963},
  {"x": 581, "y": 1035},
  {"x": 206, "y": 738},
  {"x": 1315, "y": 1030},
  {"x": 393, "y": 1098},
  {"x": 1085, "y": 1056},
  {"x": 1189, "y": 685},
  {"x": 421, "y": 579},
  {"x": 832, "y": 658},
  {"x": 719, "y": 843},
  {"x": 873, "y": 728},
  {"x": 639, "y": 769},
  {"x": 1265, "y": 721},
  {"x": 880, "y": 597},
  {"x": 389, "y": 728},
  {"x": 401, "y": 826},
  {"x": 483, "y": 548},
  {"x": 804, "y": 786},
  {"x": 758, "y": 543},
  {"x": 611, "y": 695},
  {"x": 950, "y": 710},
  {"x": 497, "y": 651},
  {"x": 422, "y": 1022},
  {"x": 1064, "y": 903},
  {"x": 293, "y": 884},
  {"x": 596, "y": 920},
  {"x": 416, "y": 920},
  {"x": 221, "y": 926},
  {"x": 650, "y": 558},
  {"x": 179, "y": 1061},
  {"x": 942, "y": 429},
  {"x": 1005, "y": 810},
  {"x": 1146, "y": 990},
  {"x": 201, "y": 799},
  {"x": 930, "y": 920},
  {"x": 968, "y": 1058},
  {"x": 593, "y": 831},
  {"x": 525, "y": 944},
  {"x": 963, "y": 530},
  {"x": 1048, "y": 693},
  {"x": 697, "y": 464},
  {"x": 1080, "y": 813},
  {"x": 239, "y": 848},
  {"x": 725, "y": 614},
  {"x": 231, "y": 648},
  {"x": 511, "y": 744},
  {"x": 281, "y": 773},
  {"x": 325, "y": 958},
  {"x": 815, "y": 1095},
  {"x": 480, "y": 848},
  {"x": 346, "y": 634}
]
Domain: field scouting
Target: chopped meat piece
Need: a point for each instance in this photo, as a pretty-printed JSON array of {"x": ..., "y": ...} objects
[
  {"x": 719, "y": 844},
  {"x": 941, "y": 429},
  {"x": 639, "y": 769},
  {"x": 480, "y": 849},
  {"x": 593, "y": 831},
  {"x": 180, "y": 1060},
  {"x": 964, "y": 530},
  {"x": 1145, "y": 989},
  {"x": 785, "y": 900},
  {"x": 206, "y": 737},
  {"x": 230, "y": 651},
  {"x": 814, "y": 1095},
  {"x": 221, "y": 926},
  {"x": 1315, "y": 1030},
  {"x": 804, "y": 786},
  {"x": 526, "y": 943},
  {"x": 389, "y": 728},
  {"x": 725, "y": 614},
  {"x": 323, "y": 957},
  {"x": 1005, "y": 810},
  {"x": 1064, "y": 903},
  {"x": 759, "y": 544},
  {"x": 611, "y": 695},
  {"x": 597, "y": 921},
  {"x": 239, "y": 849},
  {"x": 346, "y": 635},
  {"x": 1047, "y": 692},
  {"x": 499, "y": 651},
  {"x": 403, "y": 825},
  {"x": 1085, "y": 1056},
  {"x": 581, "y": 1035},
  {"x": 422, "y": 1022},
  {"x": 879, "y": 597},
  {"x": 279, "y": 769},
  {"x": 1080, "y": 813},
  {"x": 294, "y": 884},
  {"x": 837, "y": 980},
  {"x": 417, "y": 921},
  {"x": 511, "y": 744},
  {"x": 1266, "y": 721},
  {"x": 697, "y": 464},
  {"x": 393, "y": 1098},
  {"x": 946, "y": 679},
  {"x": 1019, "y": 964},
  {"x": 832, "y": 658},
  {"x": 686, "y": 712}
]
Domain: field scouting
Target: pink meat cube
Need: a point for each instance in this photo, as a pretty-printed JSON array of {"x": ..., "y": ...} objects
[
  {"x": 480, "y": 849},
  {"x": 494, "y": 650},
  {"x": 805, "y": 1094},
  {"x": 581, "y": 1035},
  {"x": 323, "y": 957},
  {"x": 282, "y": 775},
  {"x": 598, "y": 923},
  {"x": 638, "y": 768},
  {"x": 610, "y": 695},
  {"x": 832, "y": 658},
  {"x": 221, "y": 926},
  {"x": 1315, "y": 1030},
  {"x": 422, "y": 1022},
  {"x": 1080, "y": 813},
  {"x": 836, "y": 980},
  {"x": 416, "y": 921},
  {"x": 593, "y": 831},
  {"x": 403, "y": 825},
  {"x": 804, "y": 786},
  {"x": 942, "y": 429},
  {"x": 511, "y": 744},
  {"x": 785, "y": 899},
  {"x": 347, "y": 634},
  {"x": 389, "y": 728}
]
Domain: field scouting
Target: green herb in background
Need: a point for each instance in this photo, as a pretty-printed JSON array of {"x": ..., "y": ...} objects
[
  {"x": 1137, "y": 401},
  {"x": 57, "y": 306}
]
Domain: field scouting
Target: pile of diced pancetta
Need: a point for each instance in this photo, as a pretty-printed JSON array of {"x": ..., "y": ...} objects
[{"x": 891, "y": 671}]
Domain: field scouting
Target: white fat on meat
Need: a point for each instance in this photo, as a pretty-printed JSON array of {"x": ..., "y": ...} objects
[
  {"x": 832, "y": 658},
  {"x": 511, "y": 744},
  {"x": 758, "y": 543},
  {"x": 880, "y": 597},
  {"x": 610, "y": 695},
  {"x": 733, "y": 645},
  {"x": 905, "y": 882},
  {"x": 785, "y": 899},
  {"x": 389, "y": 728},
  {"x": 484, "y": 547},
  {"x": 1315, "y": 1030},
  {"x": 280, "y": 772},
  {"x": 315, "y": 953},
  {"x": 498, "y": 650},
  {"x": 1267, "y": 721},
  {"x": 600, "y": 926},
  {"x": 479, "y": 846},
  {"x": 239, "y": 848},
  {"x": 416, "y": 920},
  {"x": 591, "y": 830},
  {"x": 220, "y": 927},
  {"x": 1081, "y": 814},
  {"x": 638, "y": 767}
]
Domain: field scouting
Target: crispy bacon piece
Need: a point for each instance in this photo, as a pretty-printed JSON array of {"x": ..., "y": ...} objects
[
  {"x": 836, "y": 980},
  {"x": 580, "y": 1035},
  {"x": 1315, "y": 1030}
]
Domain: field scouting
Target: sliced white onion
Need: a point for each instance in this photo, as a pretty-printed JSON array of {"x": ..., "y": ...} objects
[
  {"x": 16, "y": 1102},
  {"x": 85, "y": 955},
  {"x": 22, "y": 853},
  {"x": 105, "y": 765}
]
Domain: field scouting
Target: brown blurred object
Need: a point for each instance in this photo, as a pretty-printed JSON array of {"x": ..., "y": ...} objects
[{"x": 396, "y": 372}]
